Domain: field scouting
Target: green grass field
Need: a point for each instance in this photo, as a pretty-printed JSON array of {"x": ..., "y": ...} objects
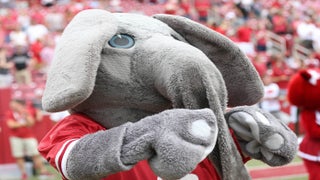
[
  {"x": 57, "y": 176},
  {"x": 253, "y": 164}
]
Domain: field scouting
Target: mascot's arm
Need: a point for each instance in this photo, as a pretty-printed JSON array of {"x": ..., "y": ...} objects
[
  {"x": 173, "y": 141},
  {"x": 262, "y": 136}
]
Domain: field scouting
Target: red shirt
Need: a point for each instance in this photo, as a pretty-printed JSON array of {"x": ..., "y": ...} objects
[
  {"x": 21, "y": 132},
  {"x": 279, "y": 24},
  {"x": 36, "y": 49},
  {"x": 53, "y": 147},
  {"x": 202, "y": 6},
  {"x": 244, "y": 34},
  {"x": 281, "y": 70}
]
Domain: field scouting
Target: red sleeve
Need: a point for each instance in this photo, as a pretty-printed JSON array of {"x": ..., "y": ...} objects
[{"x": 54, "y": 146}]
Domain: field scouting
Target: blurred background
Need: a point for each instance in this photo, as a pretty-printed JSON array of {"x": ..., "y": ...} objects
[{"x": 279, "y": 36}]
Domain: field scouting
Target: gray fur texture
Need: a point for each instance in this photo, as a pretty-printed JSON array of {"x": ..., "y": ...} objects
[
  {"x": 262, "y": 136},
  {"x": 175, "y": 64},
  {"x": 160, "y": 138}
]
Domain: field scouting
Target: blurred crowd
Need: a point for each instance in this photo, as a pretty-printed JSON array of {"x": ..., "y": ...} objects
[{"x": 30, "y": 30}]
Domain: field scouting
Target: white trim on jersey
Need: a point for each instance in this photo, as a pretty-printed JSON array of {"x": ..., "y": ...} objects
[
  {"x": 65, "y": 157},
  {"x": 309, "y": 156},
  {"x": 64, "y": 152}
]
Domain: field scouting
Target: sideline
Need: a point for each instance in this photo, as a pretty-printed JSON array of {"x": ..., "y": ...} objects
[{"x": 293, "y": 170}]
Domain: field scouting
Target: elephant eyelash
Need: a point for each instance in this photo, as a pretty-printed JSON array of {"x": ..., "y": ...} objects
[
  {"x": 176, "y": 38},
  {"x": 126, "y": 34}
]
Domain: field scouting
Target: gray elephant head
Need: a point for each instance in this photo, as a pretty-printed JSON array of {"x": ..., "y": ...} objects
[{"x": 117, "y": 67}]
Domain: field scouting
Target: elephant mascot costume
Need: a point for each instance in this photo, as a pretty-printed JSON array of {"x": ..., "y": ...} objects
[{"x": 159, "y": 97}]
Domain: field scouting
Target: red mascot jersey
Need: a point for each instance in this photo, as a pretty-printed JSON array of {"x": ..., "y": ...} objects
[
  {"x": 303, "y": 92},
  {"x": 309, "y": 148},
  {"x": 60, "y": 139}
]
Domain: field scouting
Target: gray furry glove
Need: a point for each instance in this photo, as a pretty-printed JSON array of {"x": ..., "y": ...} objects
[
  {"x": 173, "y": 141},
  {"x": 261, "y": 136}
]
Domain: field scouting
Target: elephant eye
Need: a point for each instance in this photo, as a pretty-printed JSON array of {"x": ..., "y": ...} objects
[{"x": 121, "y": 41}]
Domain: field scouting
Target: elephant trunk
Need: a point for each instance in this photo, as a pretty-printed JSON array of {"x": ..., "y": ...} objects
[{"x": 196, "y": 83}]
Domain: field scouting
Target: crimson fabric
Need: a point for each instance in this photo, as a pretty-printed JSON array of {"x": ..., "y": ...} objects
[
  {"x": 303, "y": 94},
  {"x": 311, "y": 142},
  {"x": 313, "y": 169},
  {"x": 244, "y": 34},
  {"x": 308, "y": 120}
]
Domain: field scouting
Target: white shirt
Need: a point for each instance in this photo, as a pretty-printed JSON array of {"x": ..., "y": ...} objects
[
  {"x": 316, "y": 39},
  {"x": 270, "y": 101},
  {"x": 35, "y": 32},
  {"x": 305, "y": 30},
  {"x": 18, "y": 38}
]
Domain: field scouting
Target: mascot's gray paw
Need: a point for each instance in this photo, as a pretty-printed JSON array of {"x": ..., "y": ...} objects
[
  {"x": 184, "y": 138},
  {"x": 262, "y": 136},
  {"x": 174, "y": 141}
]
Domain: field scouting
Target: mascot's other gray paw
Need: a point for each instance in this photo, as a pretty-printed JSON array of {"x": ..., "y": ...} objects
[{"x": 262, "y": 136}]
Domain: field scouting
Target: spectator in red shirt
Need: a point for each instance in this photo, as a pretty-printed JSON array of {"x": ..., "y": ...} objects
[
  {"x": 260, "y": 64},
  {"x": 22, "y": 139},
  {"x": 244, "y": 33},
  {"x": 281, "y": 72},
  {"x": 202, "y": 7},
  {"x": 279, "y": 23}
]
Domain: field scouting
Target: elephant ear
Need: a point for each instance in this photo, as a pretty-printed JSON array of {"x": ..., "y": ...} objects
[
  {"x": 72, "y": 74},
  {"x": 243, "y": 83}
]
